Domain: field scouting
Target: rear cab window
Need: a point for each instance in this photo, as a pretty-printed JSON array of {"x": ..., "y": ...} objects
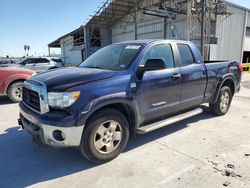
[{"x": 186, "y": 55}]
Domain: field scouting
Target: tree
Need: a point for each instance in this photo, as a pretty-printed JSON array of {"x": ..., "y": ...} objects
[{"x": 26, "y": 50}]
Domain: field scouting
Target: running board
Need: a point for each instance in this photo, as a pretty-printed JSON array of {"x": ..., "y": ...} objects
[{"x": 169, "y": 121}]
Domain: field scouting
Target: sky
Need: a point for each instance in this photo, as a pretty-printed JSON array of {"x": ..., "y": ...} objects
[{"x": 38, "y": 22}]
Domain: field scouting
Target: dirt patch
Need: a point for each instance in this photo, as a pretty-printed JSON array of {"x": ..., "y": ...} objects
[{"x": 246, "y": 84}]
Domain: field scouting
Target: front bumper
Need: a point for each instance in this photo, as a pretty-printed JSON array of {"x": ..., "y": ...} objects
[{"x": 45, "y": 133}]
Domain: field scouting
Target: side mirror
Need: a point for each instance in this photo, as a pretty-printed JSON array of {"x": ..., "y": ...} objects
[{"x": 152, "y": 65}]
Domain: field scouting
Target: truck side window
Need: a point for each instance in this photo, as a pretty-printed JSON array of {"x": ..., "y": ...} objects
[
  {"x": 160, "y": 51},
  {"x": 26, "y": 61},
  {"x": 42, "y": 60},
  {"x": 30, "y": 61},
  {"x": 185, "y": 54}
]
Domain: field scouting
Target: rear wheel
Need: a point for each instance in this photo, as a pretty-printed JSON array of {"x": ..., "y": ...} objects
[
  {"x": 15, "y": 91},
  {"x": 105, "y": 136},
  {"x": 222, "y": 105}
]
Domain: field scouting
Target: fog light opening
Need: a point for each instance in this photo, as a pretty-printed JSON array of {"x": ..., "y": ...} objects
[{"x": 58, "y": 135}]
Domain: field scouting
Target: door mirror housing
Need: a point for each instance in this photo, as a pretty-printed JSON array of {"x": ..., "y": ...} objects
[{"x": 152, "y": 65}]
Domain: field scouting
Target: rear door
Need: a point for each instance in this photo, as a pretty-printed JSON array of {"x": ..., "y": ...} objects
[
  {"x": 158, "y": 92},
  {"x": 193, "y": 77},
  {"x": 42, "y": 64}
]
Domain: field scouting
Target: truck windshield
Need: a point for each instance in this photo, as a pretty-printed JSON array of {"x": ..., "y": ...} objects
[{"x": 114, "y": 57}]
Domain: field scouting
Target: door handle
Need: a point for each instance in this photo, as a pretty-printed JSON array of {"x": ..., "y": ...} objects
[{"x": 176, "y": 76}]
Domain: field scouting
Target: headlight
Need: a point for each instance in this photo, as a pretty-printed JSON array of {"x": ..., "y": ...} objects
[{"x": 62, "y": 99}]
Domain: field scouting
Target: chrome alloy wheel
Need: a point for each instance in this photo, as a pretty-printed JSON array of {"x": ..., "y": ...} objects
[
  {"x": 108, "y": 137},
  {"x": 224, "y": 102},
  {"x": 18, "y": 92}
]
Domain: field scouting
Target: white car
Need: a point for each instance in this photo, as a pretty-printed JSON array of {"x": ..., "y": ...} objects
[{"x": 38, "y": 64}]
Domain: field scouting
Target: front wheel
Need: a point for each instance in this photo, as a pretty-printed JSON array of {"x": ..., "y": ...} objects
[
  {"x": 105, "y": 136},
  {"x": 15, "y": 91},
  {"x": 222, "y": 105}
]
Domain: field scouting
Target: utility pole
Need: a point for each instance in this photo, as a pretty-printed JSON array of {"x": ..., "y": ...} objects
[
  {"x": 49, "y": 51},
  {"x": 202, "y": 26}
]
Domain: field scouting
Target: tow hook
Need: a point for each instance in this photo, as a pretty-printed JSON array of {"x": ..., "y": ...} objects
[{"x": 20, "y": 123}]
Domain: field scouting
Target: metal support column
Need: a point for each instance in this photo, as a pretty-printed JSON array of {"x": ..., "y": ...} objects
[
  {"x": 49, "y": 51},
  {"x": 202, "y": 26}
]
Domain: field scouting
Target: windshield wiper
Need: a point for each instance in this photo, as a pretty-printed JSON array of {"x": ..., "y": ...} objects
[{"x": 94, "y": 67}]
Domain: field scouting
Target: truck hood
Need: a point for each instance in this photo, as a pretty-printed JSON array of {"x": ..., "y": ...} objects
[
  {"x": 10, "y": 65},
  {"x": 63, "y": 78}
]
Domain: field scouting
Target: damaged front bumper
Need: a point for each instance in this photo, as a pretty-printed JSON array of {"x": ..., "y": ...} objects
[{"x": 48, "y": 134}]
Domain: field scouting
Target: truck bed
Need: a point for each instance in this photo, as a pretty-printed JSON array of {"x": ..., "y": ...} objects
[
  {"x": 217, "y": 70},
  {"x": 219, "y": 61}
]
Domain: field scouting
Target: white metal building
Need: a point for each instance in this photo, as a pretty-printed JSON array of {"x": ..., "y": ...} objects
[
  {"x": 246, "y": 48},
  {"x": 72, "y": 46},
  {"x": 226, "y": 27},
  {"x": 231, "y": 34}
]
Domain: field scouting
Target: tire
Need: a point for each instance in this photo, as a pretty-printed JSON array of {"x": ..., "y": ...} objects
[
  {"x": 222, "y": 105},
  {"x": 105, "y": 136},
  {"x": 15, "y": 91}
]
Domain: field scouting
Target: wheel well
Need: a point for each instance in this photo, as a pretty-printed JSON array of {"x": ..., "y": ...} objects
[
  {"x": 125, "y": 109},
  {"x": 20, "y": 80},
  {"x": 230, "y": 84}
]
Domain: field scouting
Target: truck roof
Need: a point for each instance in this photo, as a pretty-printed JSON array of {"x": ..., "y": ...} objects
[{"x": 148, "y": 41}]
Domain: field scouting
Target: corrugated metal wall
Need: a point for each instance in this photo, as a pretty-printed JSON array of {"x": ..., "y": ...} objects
[
  {"x": 247, "y": 44},
  {"x": 180, "y": 28},
  {"x": 230, "y": 32},
  {"x": 105, "y": 36},
  {"x": 123, "y": 30},
  {"x": 69, "y": 56},
  {"x": 146, "y": 27},
  {"x": 149, "y": 27},
  {"x": 248, "y": 19},
  {"x": 247, "y": 36}
]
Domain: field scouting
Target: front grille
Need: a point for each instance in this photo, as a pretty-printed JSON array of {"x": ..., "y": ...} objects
[{"x": 31, "y": 98}]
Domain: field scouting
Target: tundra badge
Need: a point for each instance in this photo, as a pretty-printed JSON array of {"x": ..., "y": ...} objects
[{"x": 159, "y": 103}]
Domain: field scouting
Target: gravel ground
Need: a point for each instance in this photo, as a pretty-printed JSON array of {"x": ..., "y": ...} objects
[{"x": 202, "y": 151}]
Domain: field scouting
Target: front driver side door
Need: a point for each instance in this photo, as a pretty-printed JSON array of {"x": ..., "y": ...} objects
[{"x": 158, "y": 92}]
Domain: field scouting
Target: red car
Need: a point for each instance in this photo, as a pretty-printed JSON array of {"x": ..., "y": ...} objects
[{"x": 11, "y": 82}]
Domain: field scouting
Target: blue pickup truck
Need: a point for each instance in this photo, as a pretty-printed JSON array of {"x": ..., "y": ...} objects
[{"x": 123, "y": 89}]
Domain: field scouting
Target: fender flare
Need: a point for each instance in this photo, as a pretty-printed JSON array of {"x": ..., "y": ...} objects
[
  {"x": 13, "y": 78},
  {"x": 101, "y": 102},
  {"x": 223, "y": 79}
]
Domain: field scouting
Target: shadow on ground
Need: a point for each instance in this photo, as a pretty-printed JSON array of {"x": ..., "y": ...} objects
[
  {"x": 23, "y": 163},
  {"x": 5, "y": 100}
]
